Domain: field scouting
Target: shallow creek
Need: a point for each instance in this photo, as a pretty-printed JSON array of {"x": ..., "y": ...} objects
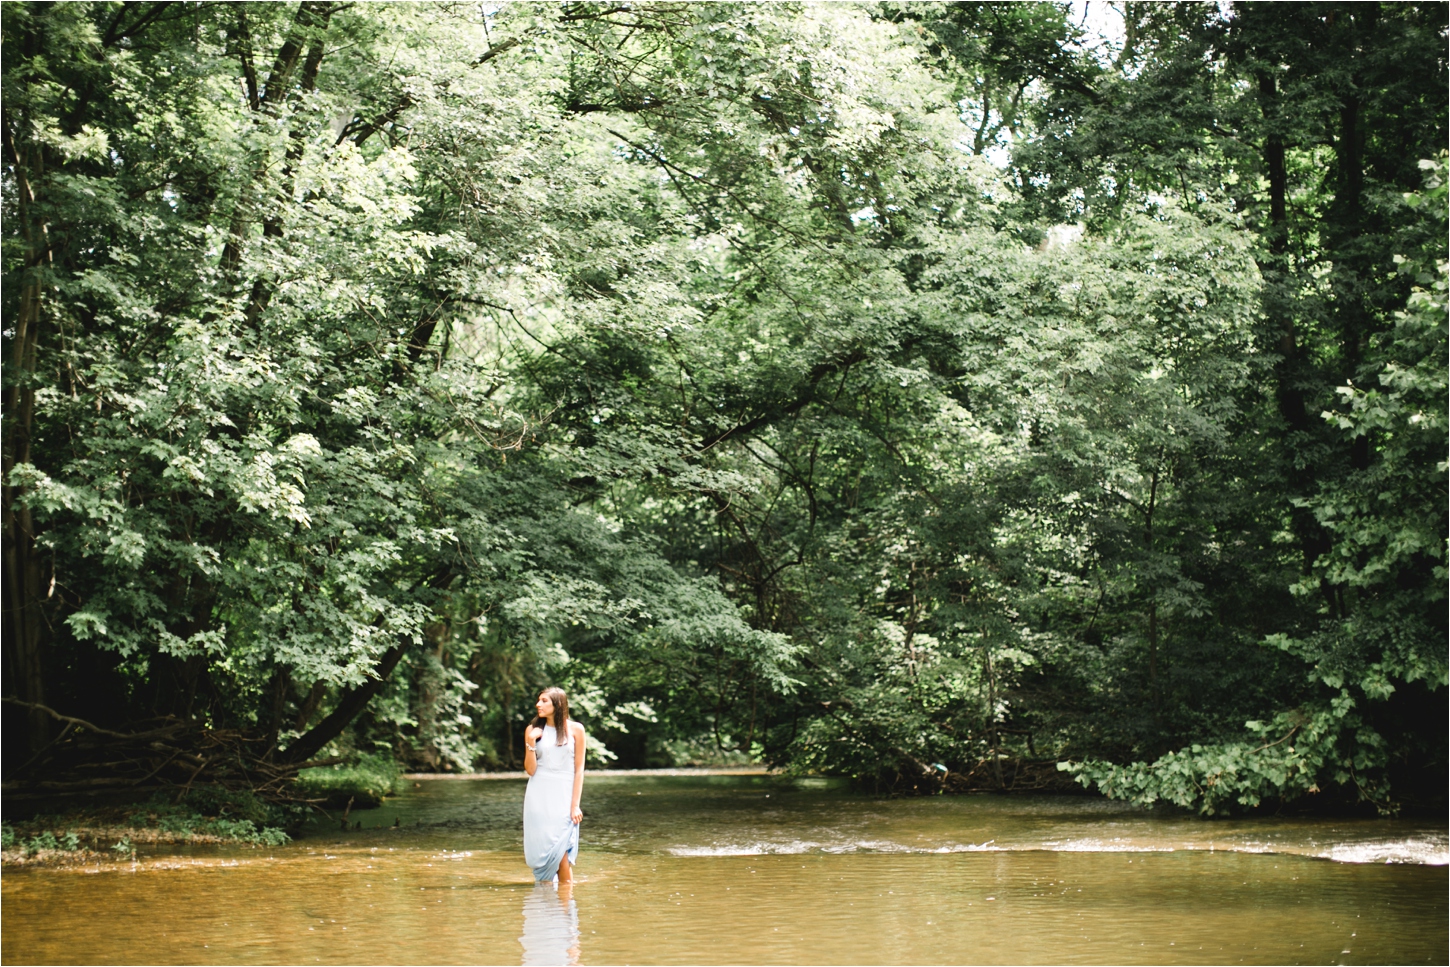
[{"x": 760, "y": 869}]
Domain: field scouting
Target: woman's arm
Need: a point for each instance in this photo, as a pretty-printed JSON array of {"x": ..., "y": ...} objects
[
  {"x": 574, "y": 812},
  {"x": 530, "y": 761}
]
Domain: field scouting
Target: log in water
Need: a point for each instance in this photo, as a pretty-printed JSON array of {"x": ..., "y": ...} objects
[{"x": 756, "y": 869}]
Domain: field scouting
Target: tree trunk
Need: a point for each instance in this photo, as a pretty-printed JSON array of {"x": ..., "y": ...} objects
[
  {"x": 1153, "y": 688},
  {"x": 994, "y": 735},
  {"x": 311, "y": 17},
  {"x": 1348, "y": 212},
  {"x": 1150, "y": 543},
  {"x": 25, "y": 587},
  {"x": 353, "y": 701},
  {"x": 1290, "y": 394},
  {"x": 1290, "y": 374},
  {"x": 272, "y": 226}
]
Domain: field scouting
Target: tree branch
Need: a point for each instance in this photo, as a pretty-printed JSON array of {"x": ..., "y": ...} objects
[
  {"x": 72, "y": 720},
  {"x": 495, "y": 50},
  {"x": 354, "y": 700}
]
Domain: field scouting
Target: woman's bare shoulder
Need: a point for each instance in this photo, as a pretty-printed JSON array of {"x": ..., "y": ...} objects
[{"x": 576, "y": 728}]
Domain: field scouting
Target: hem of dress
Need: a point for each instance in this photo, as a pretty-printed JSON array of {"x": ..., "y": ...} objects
[{"x": 569, "y": 839}]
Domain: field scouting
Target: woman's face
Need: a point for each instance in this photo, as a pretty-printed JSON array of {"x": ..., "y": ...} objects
[{"x": 545, "y": 707}]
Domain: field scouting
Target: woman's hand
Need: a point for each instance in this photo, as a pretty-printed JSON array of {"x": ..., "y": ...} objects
[
  {"x": 532, "y": 736},
  {"x": 577, "y": 815}
]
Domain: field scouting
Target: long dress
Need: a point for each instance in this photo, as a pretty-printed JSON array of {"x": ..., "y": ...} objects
[{"x": 550, "y": 832}]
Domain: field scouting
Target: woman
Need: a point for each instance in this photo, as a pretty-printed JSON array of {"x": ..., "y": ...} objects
[{"x": 554, "y": 760}]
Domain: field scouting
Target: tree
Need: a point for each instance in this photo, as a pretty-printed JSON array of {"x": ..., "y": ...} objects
[
  {"x": 372, "y": 366},
  {"x": 1311, "y": 117}
]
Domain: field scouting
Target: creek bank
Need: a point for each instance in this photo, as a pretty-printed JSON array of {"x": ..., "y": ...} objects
[
  {"x": 70, "y": 832},
  {"x": 90, "y": 832},
  {"x": 94, "y": 853}
]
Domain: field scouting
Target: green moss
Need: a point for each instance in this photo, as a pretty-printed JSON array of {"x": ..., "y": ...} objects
[{"x": 365, "y": 781}]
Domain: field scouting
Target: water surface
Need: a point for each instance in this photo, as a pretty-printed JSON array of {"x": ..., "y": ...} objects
[{"x": 755, "y": 869}]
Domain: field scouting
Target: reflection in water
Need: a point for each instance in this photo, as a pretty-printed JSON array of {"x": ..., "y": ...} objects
[{"x": 551, "y": 926}]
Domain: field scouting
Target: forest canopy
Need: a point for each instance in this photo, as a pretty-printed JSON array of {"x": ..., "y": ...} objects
[{"x": 935, "y": 394}]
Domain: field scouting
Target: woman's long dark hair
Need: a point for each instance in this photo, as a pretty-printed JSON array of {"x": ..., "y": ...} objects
[{"x": 561, "y": 714}]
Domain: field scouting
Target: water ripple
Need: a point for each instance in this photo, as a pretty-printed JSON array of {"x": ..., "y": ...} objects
[{"x": 1422, "y": 851}]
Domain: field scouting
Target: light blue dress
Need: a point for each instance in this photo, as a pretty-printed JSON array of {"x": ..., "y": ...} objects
[{"x": 550, "y": 833}]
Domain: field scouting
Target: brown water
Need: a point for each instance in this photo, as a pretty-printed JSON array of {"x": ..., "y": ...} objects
[{"x": 754, "y": 869}]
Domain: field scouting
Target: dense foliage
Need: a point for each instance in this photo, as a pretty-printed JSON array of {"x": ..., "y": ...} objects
[{"x": 918, "y": 392}]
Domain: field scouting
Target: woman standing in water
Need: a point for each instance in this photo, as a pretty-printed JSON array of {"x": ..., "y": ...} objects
[{"x": 554, "y": 760}]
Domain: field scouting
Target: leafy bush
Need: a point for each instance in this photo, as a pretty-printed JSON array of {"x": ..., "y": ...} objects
[
  {"x": 244, "y": 831},
  {"x": 40, "y": 841},
  {"x": 46, "y": 840},
  {"x": 1312, "y": 746},
  {"x": 365, "y": 781}
]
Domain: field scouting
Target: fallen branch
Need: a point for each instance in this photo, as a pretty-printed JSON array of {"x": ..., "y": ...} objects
[{"x": 75, "y": 721}]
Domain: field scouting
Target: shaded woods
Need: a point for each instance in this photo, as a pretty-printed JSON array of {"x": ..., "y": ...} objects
[{"x": 935, "y": 394}]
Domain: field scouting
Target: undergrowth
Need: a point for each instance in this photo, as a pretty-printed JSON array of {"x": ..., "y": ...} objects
[{"x": 216, "y": 813}]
